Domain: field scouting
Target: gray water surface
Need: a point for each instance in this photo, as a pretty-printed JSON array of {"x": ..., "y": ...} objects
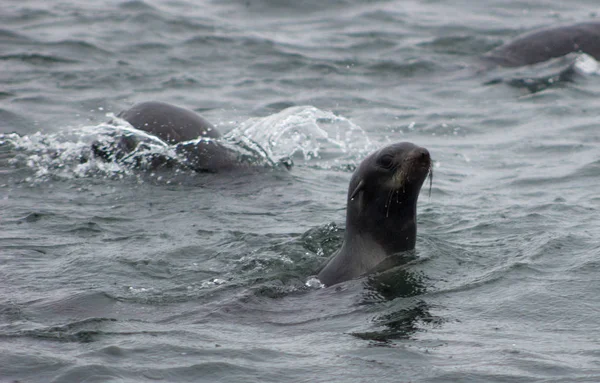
[{"x": 115, "y": 274}]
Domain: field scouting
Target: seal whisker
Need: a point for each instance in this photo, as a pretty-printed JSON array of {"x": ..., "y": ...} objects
[
  {"x": 389, "y": 202},
  {"x": 430, "y": 175},
  {"x": 400, "y": 178}
]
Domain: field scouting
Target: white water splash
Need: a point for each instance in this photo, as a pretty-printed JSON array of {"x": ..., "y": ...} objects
[
  {"x": 58, "y": 154},
  {"x": 210, "y": 283},
  {"x": 586, "y": 65},
  {"x": 307, "y": 133},
  {"x": 314, "y": 283},
  {"x": 303, "y": 133},
  {"x": 68, "y": 154}
]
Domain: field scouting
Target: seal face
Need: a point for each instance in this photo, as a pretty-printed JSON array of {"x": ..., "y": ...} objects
[{"x": 381, "y": 211}]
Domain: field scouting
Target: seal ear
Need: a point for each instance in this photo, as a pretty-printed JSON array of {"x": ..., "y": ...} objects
[{"x": 358, "y": 188}]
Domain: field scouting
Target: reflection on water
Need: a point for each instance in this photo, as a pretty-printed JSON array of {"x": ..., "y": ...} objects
[{"x": 398, "y": 291}]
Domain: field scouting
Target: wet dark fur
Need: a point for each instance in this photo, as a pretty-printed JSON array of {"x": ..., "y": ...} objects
[
  {"x": 545, "y": 44},
  {"x": 173, "y": 125}
]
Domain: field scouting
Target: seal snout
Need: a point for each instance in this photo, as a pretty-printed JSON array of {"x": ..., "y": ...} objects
[
  {"x": 420, "y": 157},
  {"x": 422, "y": 154}
]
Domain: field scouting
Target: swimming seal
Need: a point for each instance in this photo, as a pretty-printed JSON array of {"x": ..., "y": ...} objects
[
  {"x": 170, "y": 123},
  {"x": 381, "y": 214},
  {"x": 545, "y": 44},
  {"x": 193, "y": 137},
  {"x": 541, "y": 46}
]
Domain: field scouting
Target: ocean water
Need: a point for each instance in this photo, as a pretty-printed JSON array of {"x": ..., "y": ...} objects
[{"x": 112, "y": 273}]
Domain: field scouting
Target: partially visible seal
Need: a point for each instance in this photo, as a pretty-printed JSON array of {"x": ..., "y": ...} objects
[
  {"x": 539, "y": 48},
  {"x": 545, "y": 44},
  {"x": 381, "y": 215},
  {"x": 170, "y": 123},
  {"x": 194, "y": 138}
]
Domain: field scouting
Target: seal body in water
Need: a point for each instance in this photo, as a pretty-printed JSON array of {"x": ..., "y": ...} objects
[
  {"x": 538, "y": 49},
  {"x": 194, "y": 138},
  {"x": 548, "y": 43},
  {"x": 170, "y": 123},
  {"x": 381, "y": 211}
]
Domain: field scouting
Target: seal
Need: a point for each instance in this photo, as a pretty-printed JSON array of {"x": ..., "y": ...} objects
[
  {"x": 548, "y": 43},
  {"x": 381, "y": 213},
  {"x": 193, "y": 137},
  {"x": 538, "y": 49},
  {"x": 170, "y": 123}
]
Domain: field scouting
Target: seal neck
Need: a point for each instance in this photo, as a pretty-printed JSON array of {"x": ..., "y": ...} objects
[{"x": 389, "y": 222}]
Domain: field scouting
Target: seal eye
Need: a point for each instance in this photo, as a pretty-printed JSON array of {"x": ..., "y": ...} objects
[{"x": 386, "y": 161}]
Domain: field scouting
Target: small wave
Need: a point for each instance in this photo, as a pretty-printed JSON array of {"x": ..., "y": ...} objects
[
  {"x": 82, "y": 331},
  {"x": 136, "y": 5},
  {"x": 324, "y": 240},
  {"x": 410, "y": 68},
  {"x": 465, "y": 45},
  {"x": 589, "y": 170},
  {"x": 10, "y": 36},
  {"x": 36, "y": 216},
  {"x": 79, "y": 47},
  {"x": 37, "y": 59}
]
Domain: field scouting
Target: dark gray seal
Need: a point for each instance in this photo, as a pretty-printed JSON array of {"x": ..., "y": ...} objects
[
  {"x": 170, "y": 123},
  {"x": 548, "y": 43},
  {"x": 194, "y": 138},
  {"x": 381, "y": 215},
  {"x": 176, "y": 125},
  {"x": 538, "y": 55}
]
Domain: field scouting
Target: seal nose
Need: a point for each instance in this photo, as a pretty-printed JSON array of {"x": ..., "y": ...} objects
[{"x": 422, "y": 154}]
